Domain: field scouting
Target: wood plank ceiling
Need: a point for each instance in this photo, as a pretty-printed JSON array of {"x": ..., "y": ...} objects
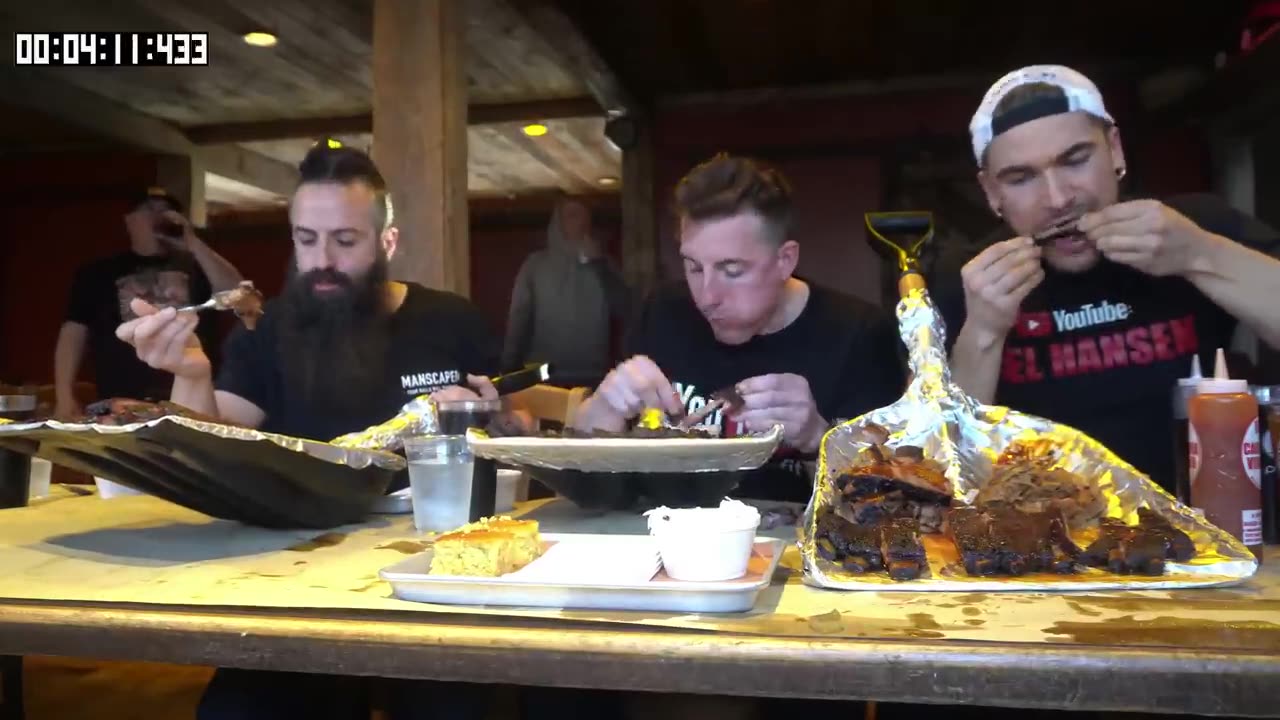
[
  {"x": 663, "y": 48},
  {"x": 320, "y": 70}
]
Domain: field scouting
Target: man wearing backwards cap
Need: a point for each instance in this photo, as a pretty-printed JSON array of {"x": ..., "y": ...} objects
[{"x": 1094, "y": 327}]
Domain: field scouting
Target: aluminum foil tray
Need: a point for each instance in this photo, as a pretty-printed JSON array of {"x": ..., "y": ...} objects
[
  {"x": 630, "y": 455},
  {"x": 227, "y": 472},
  {"x": 966, "y": 438}
]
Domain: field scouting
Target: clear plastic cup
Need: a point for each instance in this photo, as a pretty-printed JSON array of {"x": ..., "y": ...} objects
[{"x": 440, "y": 471}]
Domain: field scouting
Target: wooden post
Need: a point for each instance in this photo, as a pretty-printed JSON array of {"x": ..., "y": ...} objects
[
  {"x": 183, "y": 176},
  {"x": 420, "y": 136},
  {"x": 639, "y": 213}
]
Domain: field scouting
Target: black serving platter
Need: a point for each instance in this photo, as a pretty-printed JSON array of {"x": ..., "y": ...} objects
[
  {"x": 223, "y": 472},
  {"x": 631, "y": 491}
]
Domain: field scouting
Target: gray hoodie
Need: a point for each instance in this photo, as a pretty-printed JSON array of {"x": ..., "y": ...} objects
[{"x": 561, "y": 307}]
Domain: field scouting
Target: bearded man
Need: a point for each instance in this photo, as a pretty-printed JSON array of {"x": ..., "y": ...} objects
[{"x": 343, "y": 347}]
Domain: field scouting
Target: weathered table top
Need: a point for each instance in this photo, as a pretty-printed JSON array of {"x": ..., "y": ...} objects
[{"x": 138, "y": 578}]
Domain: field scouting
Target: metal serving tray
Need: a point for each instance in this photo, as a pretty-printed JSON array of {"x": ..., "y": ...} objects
[{"x": 410, "y": 580}]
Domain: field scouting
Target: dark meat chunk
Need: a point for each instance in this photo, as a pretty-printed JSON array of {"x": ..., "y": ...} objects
[
  {"x": 857, "y": 547},
  {"x": 1131, "y": 549},
  {"x": 1178, "y": 545},
  {"x": 124, "y": 411},
  {"x": 245, "y": 301},
  {"x": 903, "y": 552},
  {"x": 1003, "y": 541},
  {"x": 893, "y": 501}
]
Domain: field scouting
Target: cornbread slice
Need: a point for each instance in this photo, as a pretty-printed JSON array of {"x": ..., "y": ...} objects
[
  {"x": 526, "y": 544},
  {"x": 480, "y": 553}
]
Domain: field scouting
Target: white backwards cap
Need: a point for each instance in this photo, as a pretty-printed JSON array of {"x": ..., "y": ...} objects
[{"x": 1079, "y": 92}]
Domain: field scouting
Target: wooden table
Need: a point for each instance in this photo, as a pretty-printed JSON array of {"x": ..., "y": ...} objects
[{"x": 137, "y": 578}]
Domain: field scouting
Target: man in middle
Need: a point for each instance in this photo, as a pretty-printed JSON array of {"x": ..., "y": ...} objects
[{"x": 799, "y": 355}]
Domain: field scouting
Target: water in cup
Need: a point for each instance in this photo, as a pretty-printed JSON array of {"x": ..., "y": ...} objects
[{"x": 440, "y": 472}]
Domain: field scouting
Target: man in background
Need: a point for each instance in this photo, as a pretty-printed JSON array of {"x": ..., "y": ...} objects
[
  {"x": 166, "y": 265},
  {"x": 564, "y": 300}
]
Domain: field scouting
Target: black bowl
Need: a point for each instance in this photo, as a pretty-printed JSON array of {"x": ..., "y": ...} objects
[{"x": 637, "y": 491}]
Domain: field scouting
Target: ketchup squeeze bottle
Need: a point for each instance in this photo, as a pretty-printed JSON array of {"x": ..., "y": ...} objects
[{"x": 1225, "y": 456}]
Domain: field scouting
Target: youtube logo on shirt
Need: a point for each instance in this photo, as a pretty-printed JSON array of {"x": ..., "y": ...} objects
[{"x": 1033, "y": 325}]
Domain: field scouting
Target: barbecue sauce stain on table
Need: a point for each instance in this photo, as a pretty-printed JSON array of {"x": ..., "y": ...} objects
[
  {"x": 317, "y": 542},
  {"x": 407, "y": 547},
  {"x": 1171, "y": 632}
]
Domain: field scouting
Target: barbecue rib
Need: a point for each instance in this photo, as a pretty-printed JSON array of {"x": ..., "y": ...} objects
[
  {"x": 886, "y": 485},
  {"x": 900, "y": 545},
  {"x": 1003, "y": 541},
  {"x": 124, "y": 411},
  {"x": 1140, "y": 549},
  {"x": 855, "y": 547}
]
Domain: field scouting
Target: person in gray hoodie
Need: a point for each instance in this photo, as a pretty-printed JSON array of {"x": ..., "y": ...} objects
[{"x": 564, "y": 299}]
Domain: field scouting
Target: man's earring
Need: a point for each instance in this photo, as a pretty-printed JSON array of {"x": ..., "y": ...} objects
[{"x": 1120, "y": 171}]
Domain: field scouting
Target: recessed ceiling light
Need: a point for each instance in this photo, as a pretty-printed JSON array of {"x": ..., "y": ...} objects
[
  {"x": 607, "y": 181},
  {"x": 259, "y": 38},
  {"x": 535, "y": 130}
]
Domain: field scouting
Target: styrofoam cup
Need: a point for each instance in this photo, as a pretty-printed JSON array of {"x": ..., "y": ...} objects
[
  {"x": 705, "y": 544},
  {"x": 108, "y": 489},
  {"x": 41, "y": 474},
  {"x": 505, "y": 497}
]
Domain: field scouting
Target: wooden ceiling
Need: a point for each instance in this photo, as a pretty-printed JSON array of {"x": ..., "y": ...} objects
[
  {"x": 317, "y": 81},
  {"x": 661, "y": 48}
]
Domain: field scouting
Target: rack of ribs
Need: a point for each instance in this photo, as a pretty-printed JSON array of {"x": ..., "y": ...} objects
[
  {"x": 1003, "y": 541},
  {"x": 892, "y": 545},
  {"x": 1140, "y": 549},
  {"x": 886, "y": 485}
]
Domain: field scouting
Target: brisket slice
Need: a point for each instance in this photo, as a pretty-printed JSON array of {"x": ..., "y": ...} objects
[{"x": 1003, "y": 541}]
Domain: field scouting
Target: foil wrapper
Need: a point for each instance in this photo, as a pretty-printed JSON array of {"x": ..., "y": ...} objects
[
  {"x": 965, "y": 438},
  {"x": 358, "y": 458},
  {"x": 417, "y": 417}
]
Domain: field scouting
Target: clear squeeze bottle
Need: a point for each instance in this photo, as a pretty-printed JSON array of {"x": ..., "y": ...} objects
[
  {"x": 1182, "y": 394},
  {"x": 1225, "y": 456}
]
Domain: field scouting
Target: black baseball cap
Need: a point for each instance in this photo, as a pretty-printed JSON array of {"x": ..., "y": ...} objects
[{"x": 154, "y": 194}]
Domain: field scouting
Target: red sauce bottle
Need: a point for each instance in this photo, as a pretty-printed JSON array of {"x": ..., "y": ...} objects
[{"x": 1225, "y": 456}]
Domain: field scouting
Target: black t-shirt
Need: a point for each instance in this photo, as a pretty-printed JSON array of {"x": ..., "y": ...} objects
[
  {"x": 844, "y": 347},
  {"x": 437, "y": 338},
  {"x": 100, "y": 296},
  {"x": 1102, "y": 351}
]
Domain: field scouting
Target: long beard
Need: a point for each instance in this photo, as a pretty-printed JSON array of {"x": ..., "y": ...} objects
[{"x": 333, "y": 347}]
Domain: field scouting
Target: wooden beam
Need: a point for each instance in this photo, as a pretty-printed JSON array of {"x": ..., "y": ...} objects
[
  {"x": 577, "y": 54},
  {"x": 480, "y": 114},
  {"x": 420, "y": 126},
  {"x": 640, "y": 256},
  {"x": 44, "y": 92}
]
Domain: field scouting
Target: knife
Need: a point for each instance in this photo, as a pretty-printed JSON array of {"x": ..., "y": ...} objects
[{"x": 514, "y": 382}]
